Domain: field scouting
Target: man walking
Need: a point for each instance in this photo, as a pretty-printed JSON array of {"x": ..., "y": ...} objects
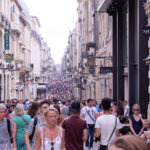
[
  {"x": 74, "y": 129},
  {"x": 89, "y": 113},
  {"x": 107, "y": 126}
]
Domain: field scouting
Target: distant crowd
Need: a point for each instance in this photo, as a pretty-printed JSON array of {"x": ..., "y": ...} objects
[{"x": 72, "y": 125}]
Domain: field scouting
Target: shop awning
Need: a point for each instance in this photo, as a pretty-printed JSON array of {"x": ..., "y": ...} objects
[{"x": 103, "y": 5}]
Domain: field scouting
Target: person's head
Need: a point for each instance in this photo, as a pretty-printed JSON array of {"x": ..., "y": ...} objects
[
  {"x": 57, "y": 107},
  {"x": 94, "y": 102},
  {"x": 129, "y": 142},
  {"x": 75, "y": 107},
  {"x": 83, "y": 103},
  {"x": 8, "y": 102},
  {"x": 12, "y": 107},
  {"x": 51, "y": 115},
  {"x": 106, "y": 104},
  {"x": 121, "y": 100},
  {"x": 136, "y": 108},
  {"x": 14, "y": 101},
  {"x": 2, "y": 111},
  {"x": 125, "y": 102},
  {"x": 146, "y": 123},
  {"x": 63, "y": 102},
  {"x": 19, "y": 110},
  {"x": 43, "y": 105},
  {"x": 55, "y": 101},
  {"x": 33, "y": 109},
  {"x": 90, "y": 102}
]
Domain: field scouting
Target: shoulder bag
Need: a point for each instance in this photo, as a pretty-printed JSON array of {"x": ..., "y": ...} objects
[{"x": 105, "y": 147}]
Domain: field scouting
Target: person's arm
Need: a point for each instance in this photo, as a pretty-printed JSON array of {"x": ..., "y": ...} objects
[
  {"x": 131, "y": 127},
  {"x": 14, "y": 136},
  {"x": 63, "y": 140},
  {"x": 28, "y": 133},
  {"x": 127, "y": 110},
  {"x": 85, "y": 134},
  {"x": 117, "y": 132},
  {"x": 38, "y": 140},
  {"x": 143, "y": 136},
  {"x": 142, "y": 125},
  {"x": 27, "y": 141},
  {"x": 97, "y": 132}
]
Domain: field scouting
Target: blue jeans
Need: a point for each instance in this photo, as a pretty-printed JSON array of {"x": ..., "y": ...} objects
[{"x": 91, "y": 131}]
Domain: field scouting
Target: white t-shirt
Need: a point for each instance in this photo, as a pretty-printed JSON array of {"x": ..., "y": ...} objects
[
  {"x": 92, "y": 111},
  {"x": 125, "y": 109},
  {"x": 106, "y": 123}
]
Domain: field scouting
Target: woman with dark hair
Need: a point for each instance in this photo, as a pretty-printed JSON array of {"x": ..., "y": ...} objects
[
  {"x": 60, "y": 119},
  {"x": 129, "y": 142},
  {"x": 33, "y": 109}
]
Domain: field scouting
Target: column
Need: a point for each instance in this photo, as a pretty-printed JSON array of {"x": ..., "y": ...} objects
[{"x": 147, "y": 11}]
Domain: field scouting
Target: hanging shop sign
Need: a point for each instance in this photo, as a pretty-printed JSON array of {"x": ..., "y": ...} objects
[
  {"x": 6, "y": 39},
  {"x": 9, "y": 57},
  {"x": 105, "y": 70},
  {"x": 146, "y": 30}
]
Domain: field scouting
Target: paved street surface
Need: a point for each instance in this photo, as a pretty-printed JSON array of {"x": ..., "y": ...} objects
[{"x": 95, "y": 146}]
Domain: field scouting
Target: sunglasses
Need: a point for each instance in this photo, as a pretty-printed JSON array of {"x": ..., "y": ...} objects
[
  {"x": 52, "y": 144},
  {"x": 136, "y": 110}
]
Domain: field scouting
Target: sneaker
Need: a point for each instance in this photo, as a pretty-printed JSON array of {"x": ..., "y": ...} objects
[
  {"x": 87, "y": 148},
  {"x": 91, "y": 148}
]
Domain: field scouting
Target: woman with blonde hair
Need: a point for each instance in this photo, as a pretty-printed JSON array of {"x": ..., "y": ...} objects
[
  {"x": 129, "y": 142},
  {"x": 20, "y": 123},
  {"x": 49, "y": 137},
  {"x": 136, "y": 121}
]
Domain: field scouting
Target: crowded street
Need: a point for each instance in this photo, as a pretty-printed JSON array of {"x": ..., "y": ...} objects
[{"x": 75, "y": 75}]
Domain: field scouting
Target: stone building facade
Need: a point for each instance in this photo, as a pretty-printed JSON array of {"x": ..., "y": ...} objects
[{"x": 19, "y": 37}]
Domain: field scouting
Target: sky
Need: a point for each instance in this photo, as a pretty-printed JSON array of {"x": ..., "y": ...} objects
[{"x": 57, "y": 18}]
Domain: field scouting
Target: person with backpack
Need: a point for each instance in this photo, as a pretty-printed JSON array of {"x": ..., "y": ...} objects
[
  {"x": 34, "y": 125},
  {"x": 20, "y": 122},
  {"x": 6, "y": 129}
]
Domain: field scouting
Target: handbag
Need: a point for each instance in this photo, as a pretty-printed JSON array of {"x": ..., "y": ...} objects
[{"x": 105, "y": 147}]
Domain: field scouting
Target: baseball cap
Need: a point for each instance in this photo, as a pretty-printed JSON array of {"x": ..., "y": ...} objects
[{"x": 75, "y": 106}]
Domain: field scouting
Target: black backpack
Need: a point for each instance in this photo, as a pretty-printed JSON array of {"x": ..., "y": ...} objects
[
  {"x": 33, "y": 131},
  {"x": 9, "y": 129}
]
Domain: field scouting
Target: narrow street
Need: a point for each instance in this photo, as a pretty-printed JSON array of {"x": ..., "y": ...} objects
[{"x": 75, "y": 70}]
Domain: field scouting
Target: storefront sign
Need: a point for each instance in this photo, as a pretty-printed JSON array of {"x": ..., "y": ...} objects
[
  {"x": 6, "y": 39},
  {"x": 146, "y": 30},
  {"x": 105, "y": 70},
  {"x": 9, "y": 57}
]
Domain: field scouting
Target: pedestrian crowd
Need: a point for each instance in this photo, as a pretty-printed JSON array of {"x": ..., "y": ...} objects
[{"x": 72, "y": 125}]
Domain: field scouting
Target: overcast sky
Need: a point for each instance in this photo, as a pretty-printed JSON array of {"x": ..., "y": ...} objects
[{"x": 57, "y": 18}]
